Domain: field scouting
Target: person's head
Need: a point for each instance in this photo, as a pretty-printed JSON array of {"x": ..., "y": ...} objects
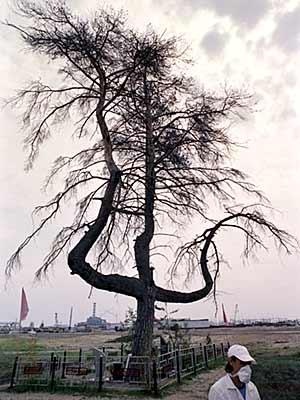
[{"x": 238, "y": 357}]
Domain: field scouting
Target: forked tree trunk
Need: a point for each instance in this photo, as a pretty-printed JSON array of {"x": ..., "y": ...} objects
[{"x": 143, "y": 334}]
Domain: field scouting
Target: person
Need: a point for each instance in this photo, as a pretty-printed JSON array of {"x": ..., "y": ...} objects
[
  {"x": 236, "y": 385},
  {"x": 208, "y": 339}
]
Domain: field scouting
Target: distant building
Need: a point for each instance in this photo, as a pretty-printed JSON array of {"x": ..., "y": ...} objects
[
  {"x": 115, "y": 326},
  {"x": 96, "y": 322},
  {"x": 92, "y": 322},
  {"x": 197, "y": 323},
  {"x": 186, "y": 323}
]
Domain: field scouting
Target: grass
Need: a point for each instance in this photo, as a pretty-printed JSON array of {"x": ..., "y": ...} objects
[
  {"x": 277, "y": 376},
  {"x": 277, "y": 373},
  {"x": 19, "y": 344},
  {"x": 87, "y": 391},
  {"x": 10, "y": 348}
]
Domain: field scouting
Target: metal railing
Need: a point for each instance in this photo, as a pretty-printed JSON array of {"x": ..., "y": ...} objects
[
  {"x": 100, "y": 368},
  {"x": 180, "y": 363}
]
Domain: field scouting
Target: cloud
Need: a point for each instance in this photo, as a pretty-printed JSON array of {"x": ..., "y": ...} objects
[
  {"x": 214, "y": 42},
  {"x": 242, "y": 12},
  {"x": 287, "y": 33}
]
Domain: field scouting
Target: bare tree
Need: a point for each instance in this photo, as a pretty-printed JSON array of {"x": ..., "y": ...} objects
[{"x": 159, "y": 155}]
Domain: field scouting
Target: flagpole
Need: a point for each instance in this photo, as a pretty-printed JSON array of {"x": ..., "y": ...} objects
[
  {"x": 20, "y": 320},
  {"x": 24, "y": 308}
]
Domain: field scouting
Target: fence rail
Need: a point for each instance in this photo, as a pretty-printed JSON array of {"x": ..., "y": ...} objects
[{"x": 101, "y": 368}]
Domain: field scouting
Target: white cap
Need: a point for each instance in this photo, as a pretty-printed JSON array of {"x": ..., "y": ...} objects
[{"x": 240, "y": 352}]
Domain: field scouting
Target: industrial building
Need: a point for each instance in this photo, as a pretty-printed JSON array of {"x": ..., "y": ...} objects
[{"x": 92, "y": 322}]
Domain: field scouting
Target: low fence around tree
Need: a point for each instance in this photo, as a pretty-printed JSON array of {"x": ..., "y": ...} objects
[
  {"x": 100, "y": 369},
  {"x": 181, "y": 363}
]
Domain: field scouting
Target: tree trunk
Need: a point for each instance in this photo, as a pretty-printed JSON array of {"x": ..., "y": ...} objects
[
  {"x": 142, "y": 341},
  {"x": 143, "y": 334}
]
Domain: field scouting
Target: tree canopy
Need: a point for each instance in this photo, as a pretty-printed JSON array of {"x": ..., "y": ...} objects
[{"x": 158, "y": 155}]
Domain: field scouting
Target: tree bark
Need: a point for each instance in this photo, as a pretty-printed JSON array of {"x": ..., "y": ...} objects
[
  {"x": 142, "y": 341},
  {"x": 143, "y": 334}
]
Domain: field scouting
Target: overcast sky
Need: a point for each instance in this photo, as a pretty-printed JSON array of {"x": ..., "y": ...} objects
[{"x": 253, "y": 45}]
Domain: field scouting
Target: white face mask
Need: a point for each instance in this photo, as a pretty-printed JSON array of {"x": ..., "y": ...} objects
[{"x": 244, "y": 374}]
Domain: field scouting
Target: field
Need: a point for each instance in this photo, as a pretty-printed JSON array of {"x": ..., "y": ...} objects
[{"x": 277, "y": 351}]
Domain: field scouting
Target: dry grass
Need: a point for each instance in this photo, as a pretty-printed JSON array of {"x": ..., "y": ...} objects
[{"x": 264, "y": 342}]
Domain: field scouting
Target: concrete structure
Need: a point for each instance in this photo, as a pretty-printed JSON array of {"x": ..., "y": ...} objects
[
  {"x": 96, "y": 322},
  {"x": 92, "y": 322}
]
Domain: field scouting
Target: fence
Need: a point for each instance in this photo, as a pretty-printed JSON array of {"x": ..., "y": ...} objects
[
  {"x": 56, "y": 370},
  {"x": 100, "y": 369},
  {"x": 176, "y": 365}
]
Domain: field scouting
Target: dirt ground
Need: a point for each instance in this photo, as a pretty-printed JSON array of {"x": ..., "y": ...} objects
[
  {"x": 251, "y": 336},
  {"x": 254, "y": 337}
]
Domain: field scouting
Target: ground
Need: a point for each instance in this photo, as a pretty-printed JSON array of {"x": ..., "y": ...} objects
[
  {"x": 250, "y": 336},
  {"x": 268, "y": 344},
  {"x": 195, "y": 389}
]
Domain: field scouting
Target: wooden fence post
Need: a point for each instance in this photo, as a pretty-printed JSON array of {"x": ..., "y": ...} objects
[
  {"x": 177, "y": 358},
  {"x": 80, "y": 357},
  {"x": 122, "y": 351},
  {"x": 194, "y": 362},
  {"x": 205, "y": 356},
  {"x": 52, "y": 371},
  {"x": 222, "y": 350},
  {"x": 100, "y": 381},
  {"x": 13, "y": 374},
  {"x": 201, "y": 349},
  {"x": 63, "y": 367},
  {"x": 154, "y": 377},
  {"x": 215, "y": 352},
  {"x": 51, "y": 365}
]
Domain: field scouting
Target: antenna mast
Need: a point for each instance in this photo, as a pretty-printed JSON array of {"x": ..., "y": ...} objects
[{"x": 236, "y": 313}]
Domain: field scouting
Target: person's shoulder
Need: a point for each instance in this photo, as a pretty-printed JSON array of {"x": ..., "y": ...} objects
[
  {"x": 216, "y": 391},
  {"x": 252, "y": 388},
  {"x": 220, "y": 382}
]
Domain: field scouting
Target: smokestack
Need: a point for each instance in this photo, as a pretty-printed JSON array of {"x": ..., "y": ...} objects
[
  {"x": 225, "y": 320},
  {"x": 94, "y": 310},
  {"x": 70, "y": 320}
]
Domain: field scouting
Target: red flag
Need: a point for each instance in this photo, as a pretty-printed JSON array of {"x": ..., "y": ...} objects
[
  {"x": 24, "y": 306},
  {"x": 224, "y": 315}
]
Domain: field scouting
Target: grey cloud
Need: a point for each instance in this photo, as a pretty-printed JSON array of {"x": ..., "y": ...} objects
[
  {"x": 287, "y": 33},
  {"x": 242, "y": 12},
  {"x": 214, "y": 42}
]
